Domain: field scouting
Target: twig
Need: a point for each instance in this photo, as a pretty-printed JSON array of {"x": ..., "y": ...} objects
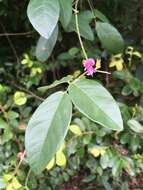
[
  {"x": 92, "y": 8},
  {"x": 104, "y": 72},
  {"x": 16, "y": 34},
  {"x": 29, "y": 92},
  {"x": 19, "y": 164},
  {"x": 27, "y": 178},
  {"x": 10, "y": 43}
]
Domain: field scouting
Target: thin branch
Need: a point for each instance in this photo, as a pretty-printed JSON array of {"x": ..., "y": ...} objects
[
  {"x": 27, "y": 178},
  {"x": 16, "y": 34},
  {"x": 19, "y": 164},
  {"x": 10, "y": 43},
  {"x": 28, "y": 91}
]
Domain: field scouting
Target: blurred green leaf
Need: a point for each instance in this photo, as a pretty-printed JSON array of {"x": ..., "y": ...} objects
[
  {"x": 3, "y": 124},
  {"x": 98, "y": 14},
  {"x": 84, "y": 18},
  {"x": 65, "y": 12},
  {"x": 45, "y": 46},
  {"x": 126, "y": 91},
  {"x": 110, "y": 38},
  {"x": 44, "y": 16},
  {"x": 104, "y": 160},
  {"x": 135, "y": 126},
  {"x": 2, "y": 184}
]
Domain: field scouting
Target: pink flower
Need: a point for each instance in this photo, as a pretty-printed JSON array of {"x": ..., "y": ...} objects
[
  {"x": 88, "y": 66},
  {"x": 21, "y": 155}
]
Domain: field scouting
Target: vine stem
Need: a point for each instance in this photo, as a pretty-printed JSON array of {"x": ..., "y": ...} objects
[
  {"x": 19, "y": 164},
  {"x": 78, "y": 30},
  {"x": 79, "y": 36},
  {"x": 16, "y": 34},
  {"x": 104, "y": 72},
  {"x": 27, "y": 178}
]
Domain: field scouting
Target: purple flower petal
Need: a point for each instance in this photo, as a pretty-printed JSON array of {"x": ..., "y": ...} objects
[{"x": 88, "y": 66}]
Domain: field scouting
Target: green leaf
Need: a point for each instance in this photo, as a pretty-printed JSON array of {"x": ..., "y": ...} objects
[
  {"x": 117, "y": 167},
  {"x": 73, "y": 51},
  {"x": 45, "y": 46},
  {"x": 135, "y": 126},
  {"x": 44, "y": 16},
  {"x": 84, "y": 18},
  {"x": 125, "y": 186},
  {"x": 100, "y": 15},
  {"x": 56, "y": 83},
  {"x": 2, "y": 184},
  {"x": 3, "y": 124},
  {"x": 126, "y": 91},
  {"x": 104, "y": 160},
  {"x": 47, "y": 129},
  {"x": 110, "y": 38},
  {"x": 12, "y": 115},
  {"x": 94, "y": 101},
  {"x": 7, "y": 135},
  {"x": 135, "y": 84},
  {"x": 65, "y": 12},
  {"x": 123, "y": 75}
]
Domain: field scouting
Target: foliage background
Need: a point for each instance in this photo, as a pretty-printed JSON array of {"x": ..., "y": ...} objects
[{"x": 82, "y": 166}]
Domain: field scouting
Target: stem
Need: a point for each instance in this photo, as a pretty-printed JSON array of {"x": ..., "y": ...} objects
[
  {"x": 18, "y": 166},
  {"x": 92, "y": 8},
  {"x": 104, "y": 72},
  {"x": 27, "y": 178},
  {"x": 16, "y": 34},
  {"x": 10, "y": 43},
  {"x": 28, "y": 92},
  {"x": 78, "y": 30}
]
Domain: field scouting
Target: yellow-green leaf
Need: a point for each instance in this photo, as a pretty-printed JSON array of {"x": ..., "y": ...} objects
[
  {"x": 137, "y": 54},
  {"x": 60, "y": 159},
  {"x": 20, "y": 98},
  {"x": 14, "y": 185},
  {"x": 95, "y": 152},
  {"x": 51, "y": 164},
  {"x": 102, "y": 151},
  {"x": 7, "y": 177},
  {"x": 62, "y": 147},
  {"x": 98, "y": 63},
  {"x": 75, "y": 129},
  {"x": 117, "y": 61}
]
